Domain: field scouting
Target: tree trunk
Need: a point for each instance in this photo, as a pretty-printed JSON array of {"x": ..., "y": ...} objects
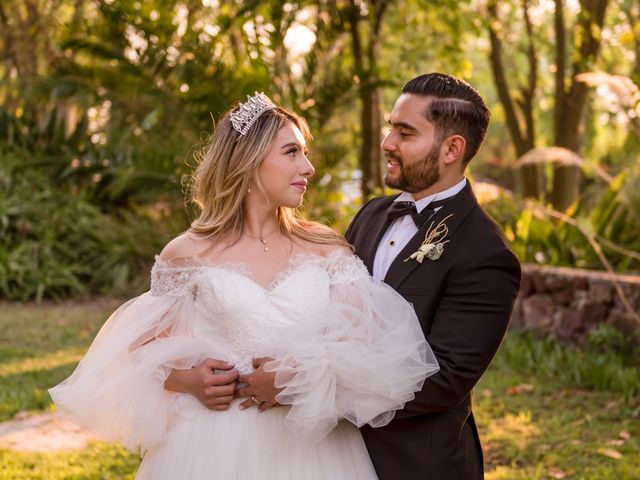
[
  {"x": 370, "y": 159},
  {"x": 570, "y": 105},
  {"x": 531, "y": 177},
  {"x": 376, "y": 139}
]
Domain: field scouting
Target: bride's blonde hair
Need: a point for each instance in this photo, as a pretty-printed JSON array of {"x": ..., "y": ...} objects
[{"x": 224, "y": 172}]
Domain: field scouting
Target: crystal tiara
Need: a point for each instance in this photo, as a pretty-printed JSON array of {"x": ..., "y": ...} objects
[{"x": 248, "y": 112}]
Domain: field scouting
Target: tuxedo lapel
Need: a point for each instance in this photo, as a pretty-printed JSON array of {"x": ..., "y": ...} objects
[
  {"x": 459, "y": 206},
  {"x": 377, "y": 226}
]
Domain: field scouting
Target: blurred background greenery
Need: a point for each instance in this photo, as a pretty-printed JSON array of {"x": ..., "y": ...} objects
[{"x": 103, "y": 104}]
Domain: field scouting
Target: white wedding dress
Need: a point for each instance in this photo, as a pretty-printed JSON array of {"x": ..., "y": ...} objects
[{"x": 349, "y": 351}]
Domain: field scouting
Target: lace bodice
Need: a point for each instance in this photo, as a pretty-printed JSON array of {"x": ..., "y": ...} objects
[
  {"x": 167, "y": 279},
  {"x": 232, "y": 307}
]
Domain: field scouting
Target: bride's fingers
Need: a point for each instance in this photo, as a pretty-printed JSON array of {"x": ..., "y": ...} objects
[
  {"x": 243, "y": 392},
  {"x": 219, "y": 401},
  {"x": 259, "y": 361},
  {"x": 249, "y": 402},
  {"x": 222, "y": 378},
  {"x": 221, "y": 391},
  {"x": 214, "y": 364},
  {"x": 267, "y": 405}
]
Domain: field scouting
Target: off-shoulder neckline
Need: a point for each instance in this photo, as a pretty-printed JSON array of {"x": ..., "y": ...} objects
[{"x": 196, "y": 262}]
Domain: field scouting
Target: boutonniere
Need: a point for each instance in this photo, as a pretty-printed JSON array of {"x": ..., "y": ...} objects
[{"x": 434, "y": 242}]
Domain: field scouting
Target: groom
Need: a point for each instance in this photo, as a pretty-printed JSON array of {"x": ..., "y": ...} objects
[{"x": 462, "y": 282}]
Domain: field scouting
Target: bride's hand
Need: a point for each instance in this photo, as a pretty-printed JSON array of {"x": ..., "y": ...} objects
[
  {"x": 260, "y": 386},
  {"x": 213, "y": 390}
]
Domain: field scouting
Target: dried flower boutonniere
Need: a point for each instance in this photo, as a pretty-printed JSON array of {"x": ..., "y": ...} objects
[{"x": 433, "y": 244}]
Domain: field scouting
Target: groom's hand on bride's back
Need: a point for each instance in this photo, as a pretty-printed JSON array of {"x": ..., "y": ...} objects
[{"x": 212, "y": 382}]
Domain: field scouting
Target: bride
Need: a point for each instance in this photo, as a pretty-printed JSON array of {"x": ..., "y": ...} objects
[{"x": 251, "y": 307}]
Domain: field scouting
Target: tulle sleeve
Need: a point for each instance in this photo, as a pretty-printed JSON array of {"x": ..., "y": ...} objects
[
  {"x": 361, "y": 358},
  {"x": 117, "y": 390}
]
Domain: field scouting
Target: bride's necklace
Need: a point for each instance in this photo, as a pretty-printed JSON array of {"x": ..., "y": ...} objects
[{"x": 262, "y": 238}]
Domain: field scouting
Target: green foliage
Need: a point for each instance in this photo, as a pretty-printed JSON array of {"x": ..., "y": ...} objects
[
  {"x": 609, "y": 361},
  {"x": 535, "y": 425},
  {"x": 104, "y": 110},
  {"x": 39, "y": 347},
  {"x": 99, "y": 461},
  {"x": 105, "y": 132},
  {"x": 605, "y": 219},
  {"x": 57, "y": 241}
]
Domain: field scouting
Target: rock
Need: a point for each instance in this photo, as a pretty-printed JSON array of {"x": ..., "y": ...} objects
[
  {"x": 537, "y": 280},
  {"x": 625, "y": 322},
  {"x": 580, "y": 283},
  {"x": 631, "y": 299},
  {"x": 601, "y": 291},
  {"x": 563, "y": 296},
  {"x": 593, "y": 314},
  {"x": 555, "y": 282},
  {"x": 571, "y": 302},
  {"x": 632, "y": 295},
  {"x": 567, "y": 324},
  {"x": 580, "y": 299},
  {"x": 537, "y": 312}
]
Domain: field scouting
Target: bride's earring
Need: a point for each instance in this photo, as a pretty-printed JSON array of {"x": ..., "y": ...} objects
[{"x": 248, "y": 190}]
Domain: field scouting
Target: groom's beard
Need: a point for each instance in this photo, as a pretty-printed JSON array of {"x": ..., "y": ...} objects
[{"x": 416, "y": 176}]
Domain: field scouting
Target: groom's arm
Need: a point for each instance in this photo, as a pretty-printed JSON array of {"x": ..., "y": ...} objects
[{"x": 469, "y": 324}]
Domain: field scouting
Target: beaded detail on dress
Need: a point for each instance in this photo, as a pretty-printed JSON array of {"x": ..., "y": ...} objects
[{"x": 167, "y": 280}]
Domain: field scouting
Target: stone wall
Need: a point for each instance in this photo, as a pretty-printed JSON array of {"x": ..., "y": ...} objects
[{"x": 568, "y": 302}]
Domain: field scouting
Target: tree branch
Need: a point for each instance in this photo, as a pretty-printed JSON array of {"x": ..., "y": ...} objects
[
  {"x": 543, "y": 212},
  {"x": 499, "y": 76},
  {"x": 561, "y": 49},
  {"x": 353, "y": 14},
  {"x": 590, "y": 21},
  {"x": 530, "y": 91},
  {"x": 380, "y": 11}
]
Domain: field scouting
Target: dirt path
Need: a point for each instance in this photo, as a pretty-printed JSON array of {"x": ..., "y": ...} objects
[{"x": 42, "y": 433}]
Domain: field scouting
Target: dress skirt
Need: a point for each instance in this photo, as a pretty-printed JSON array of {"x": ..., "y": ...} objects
[{"x": 247, "y": 444}]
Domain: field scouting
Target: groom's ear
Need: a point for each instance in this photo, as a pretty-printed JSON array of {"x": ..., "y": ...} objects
[{"x": 453, "y": 149}]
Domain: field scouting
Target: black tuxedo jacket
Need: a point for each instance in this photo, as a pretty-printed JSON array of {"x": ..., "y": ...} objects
[{"x": 463, "y": 301}]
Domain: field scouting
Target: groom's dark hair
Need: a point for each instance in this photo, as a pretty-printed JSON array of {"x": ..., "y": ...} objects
[{"x": 456, "y": 109}]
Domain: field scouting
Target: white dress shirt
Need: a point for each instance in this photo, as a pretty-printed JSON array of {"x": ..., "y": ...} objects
[{"x": 403, "y": 229}]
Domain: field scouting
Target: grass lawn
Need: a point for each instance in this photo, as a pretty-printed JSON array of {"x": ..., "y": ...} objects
[{"x": 544, "y": 411}]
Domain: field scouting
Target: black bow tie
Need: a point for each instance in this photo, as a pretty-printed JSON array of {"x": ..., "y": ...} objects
[{"x": 400, "y": 209}]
